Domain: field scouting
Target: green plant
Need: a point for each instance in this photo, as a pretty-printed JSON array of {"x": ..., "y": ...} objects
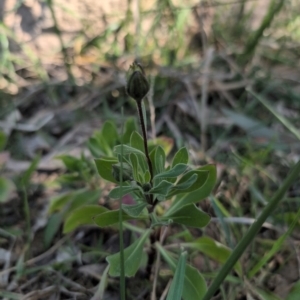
[
  {"x": 140, "y": 169},
  {"x": 163, "y": 191}
]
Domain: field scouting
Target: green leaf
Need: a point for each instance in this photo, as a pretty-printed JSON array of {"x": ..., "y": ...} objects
[
  {"x": 134, "y": 210},
  {"x": 52, "y": 228},
  {"x": 119, "y": 191},
  {"x": 189, "y": 215},
  {"x": 83, "y": 216},
  {"x": 110, "y": 133},
  {"x": 58, "y": 202},
  {"x": 176, "y": 288},
  {"x": 111, "y": 217},
  {"x": 104, "y": 167},
  {"x": 165, "y": 142},
  {"x": 136, "y": 141},
  {"x": 174, "y": 172},
  {"x": 181, "y": 157},
  {"x": 130, "y": 127},
  {"x": 6, "y": 188},
  {"x": 194, "y": 284},
  {"x": 187, "y": 183},
  {"x": 83, "y": 197},
  {"x": 162, "y": 188},
  {"x": 135, "y": 166},
  {"x": 127, "y": 150},
  {"x": 72, "y": 163},
  {"x": 160, "y": 160},
  {"x": 94, "y": 147},
  {"x": 183, "y": 187},
  {"x": 74, "y": 200},
  {"x": 132, "y": 258},
  {"x": 152, "y": 157},
  {"x": 139, "y": 166},
  {"x": 213, "y": 250},
  {"x": 199, "y": 194},
  {"x": 277, "y": 246},
  {"x": 147, "y": 176},
  {"x": 102, "y": 143}
]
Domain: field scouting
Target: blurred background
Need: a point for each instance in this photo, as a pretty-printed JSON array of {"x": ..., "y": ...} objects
[{"x": 225, "y": 81}]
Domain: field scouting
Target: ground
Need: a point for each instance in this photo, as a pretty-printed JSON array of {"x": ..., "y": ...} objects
[{"x": 63, "y": 72}]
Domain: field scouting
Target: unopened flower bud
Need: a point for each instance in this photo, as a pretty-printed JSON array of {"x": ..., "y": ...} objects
[
  {"x": 126, "y": 174},
  {"x": 137, "y": 85}
]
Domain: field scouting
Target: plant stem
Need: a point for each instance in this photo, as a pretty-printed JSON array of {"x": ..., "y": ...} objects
[
  {"x": 122, "y": 264},
  {"x": 142, "y": 122},
  {"x": 253, "y": 230}
]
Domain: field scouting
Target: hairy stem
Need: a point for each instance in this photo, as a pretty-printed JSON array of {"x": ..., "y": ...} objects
[{"x": 142, "y": 122}]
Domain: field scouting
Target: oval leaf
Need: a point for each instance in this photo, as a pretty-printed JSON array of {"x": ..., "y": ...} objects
[
  {"x": 111, "y": 217},
  {"x": 119, "y": 191},
  {"x": 110, "y": 133},
  {"x": 134, "y": 210},
  {"x": 127, "y": 150},
  {"x": 83, "y": 216},
  {"x": 189, "y": 215},
  {"x": 198, "y": 194},
  {"x": 136, "y": 141},
  {"x": 181, "y": 157},
  {"x": 174, "y": 172},
  {"x": 104, "y": 168},
  {"x": 162, "y": 188}
]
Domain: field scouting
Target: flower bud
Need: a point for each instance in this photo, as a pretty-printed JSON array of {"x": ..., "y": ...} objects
[
  {"x": 137, "y": 85},
  {"x": 126, "y": 174}
]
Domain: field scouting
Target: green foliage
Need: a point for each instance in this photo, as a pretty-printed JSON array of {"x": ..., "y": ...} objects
[
  {"x": 176, "y": 288},
  {"x": 104, "y": 167},
  {"x": 189, "y": 215},
  {"x": 52, "y": 227},
  {"x": 198, "y": 194},
  {"x": 214, "y": 250},
  {"x": 73, "y": 200},
  {"x": 132, "y": 257},
  {"x": 82, "y": 216},
  {"x": 194, "y": 283},
  {"x": 175, "y": 181},
  {"x": 6, "y": 187},
  {"x": 181, "y": 157},
  {"x": 111, "y": 217}
]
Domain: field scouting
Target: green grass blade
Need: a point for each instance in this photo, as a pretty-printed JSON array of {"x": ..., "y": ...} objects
[
  {"x": 280, "y": 118},
  {"x": 247, "y": 239},
  {"x": 276, "y": 247},
  {"x": 122, "y": 260}
]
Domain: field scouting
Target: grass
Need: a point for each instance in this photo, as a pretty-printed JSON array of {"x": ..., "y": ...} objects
[{"x": 249, "y": 92}]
